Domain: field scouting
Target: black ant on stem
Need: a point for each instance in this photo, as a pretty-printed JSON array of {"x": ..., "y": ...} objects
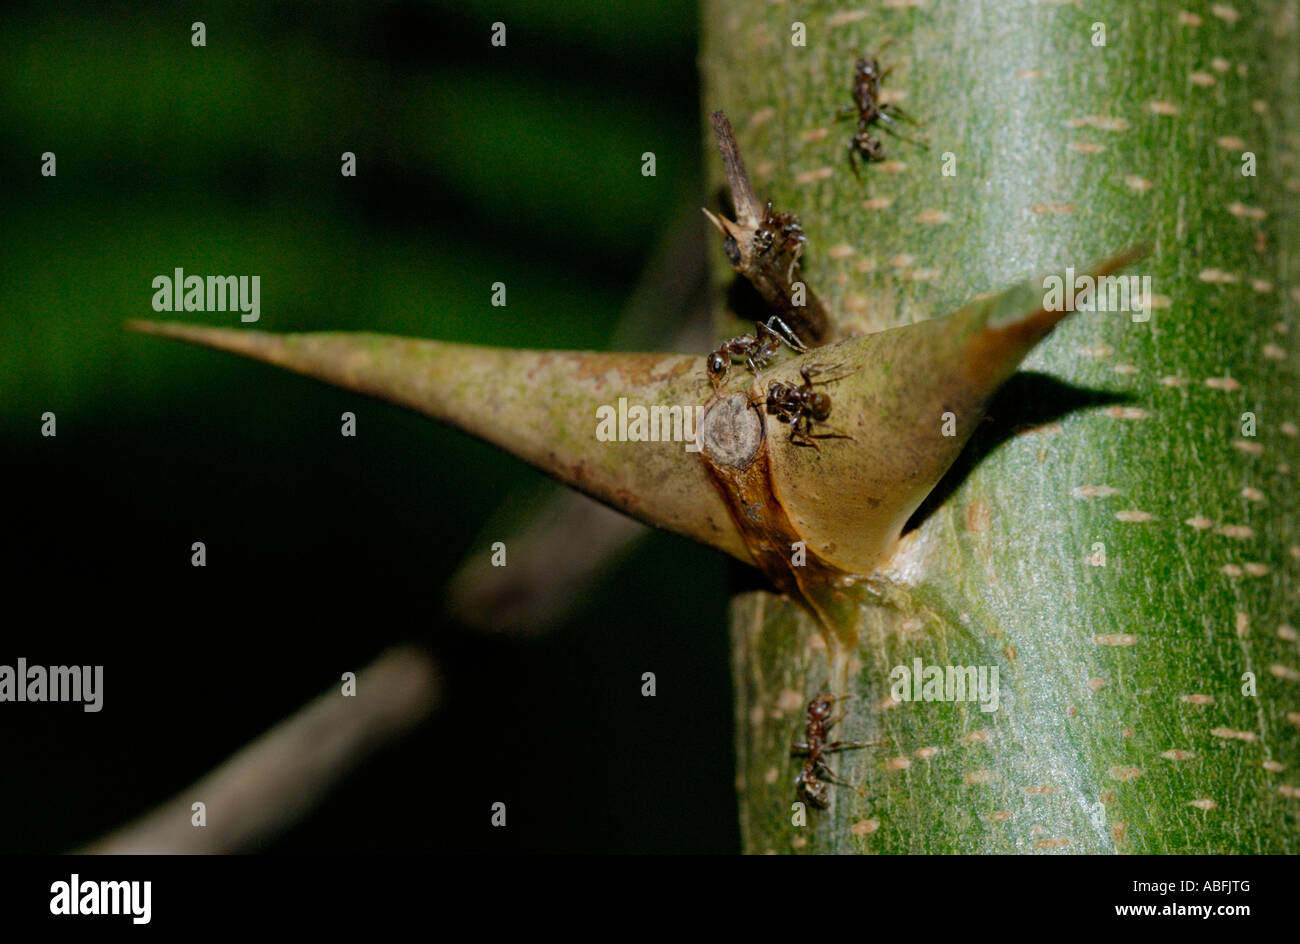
[
  {"x": 812, "y": 782},
  {"x": 801, "y": 405},
  {"x": 867, "y": 77},
  {"x": 784, "y": 226},
  {"x": 757, "y": 349}
]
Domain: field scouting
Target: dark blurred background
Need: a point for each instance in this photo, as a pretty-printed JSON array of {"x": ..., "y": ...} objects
[{"x": 475, "y": 164}]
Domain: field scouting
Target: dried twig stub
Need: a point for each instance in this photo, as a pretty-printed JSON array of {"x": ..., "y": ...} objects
[
  {"x": 749, "y": 209},
  {"x": 765, "y": 246}
]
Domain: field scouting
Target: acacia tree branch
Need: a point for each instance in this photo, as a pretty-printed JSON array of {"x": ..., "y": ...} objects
[
  {"x": 1126, "y": 569},
  {"x": 273, "y": 782}
]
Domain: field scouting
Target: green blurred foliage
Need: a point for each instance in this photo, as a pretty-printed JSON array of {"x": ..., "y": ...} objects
[{"x": 475, "y": 165}]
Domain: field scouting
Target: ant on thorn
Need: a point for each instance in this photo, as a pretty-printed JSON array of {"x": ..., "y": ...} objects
[
  {"x": 758, "y": 349},
  {"x": 801, "y": 405}
]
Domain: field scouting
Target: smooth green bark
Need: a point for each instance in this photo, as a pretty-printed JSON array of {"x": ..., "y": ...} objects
[{"x": 1114, "y": 541}]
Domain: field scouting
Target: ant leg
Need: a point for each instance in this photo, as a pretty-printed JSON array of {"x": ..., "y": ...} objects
[
  {"x": 812, "y": 435},
  {"x": 850, "y": 745},
  {"x": 794, "y": 261},
  {"x": 764, "y": 330},
  {"x": 799, "y": 438},
  {"x": 832, "y": 722},
  {"x": 918, "y": 141},
  {"x": 890, "y": 112},
  {"x": 797, "y": 435},
  {"x": 834, "y": 697},
  {"x": 790, "y": 338},
  {"x": 839, "y": 696},
  {"x": 833, "y": 777},
  {"x": 801, "y": 433},
  {"x": 799, "y": 747},
  {"x": 817, "y": 370}
]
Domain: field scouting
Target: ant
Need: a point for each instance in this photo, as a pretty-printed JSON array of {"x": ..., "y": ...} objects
[
  {"x": 813, "y": 779},
  {"x": 783, "y": 225},
  {"x": 757, "y": 349},
  {"x": 801, "y": 406},
  {"x": 867, "y": 77}
]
